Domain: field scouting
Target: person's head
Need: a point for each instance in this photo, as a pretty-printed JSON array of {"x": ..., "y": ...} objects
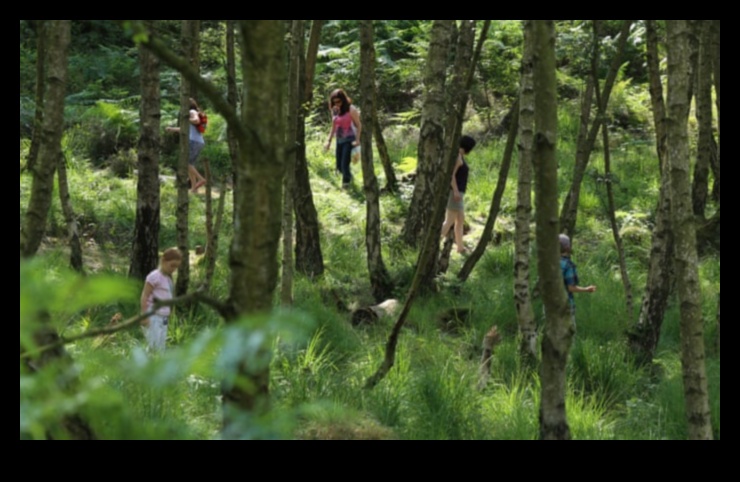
[
  {"x": 338, "y": 100},
  {"x": 467, "y": 144},
  {"x": 170, "y": 261},
  {"x": 565, "y": 245},
  {"x": 194, "y": 104}
]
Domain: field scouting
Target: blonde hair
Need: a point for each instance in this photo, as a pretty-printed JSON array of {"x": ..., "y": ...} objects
[{"x": 171, "y": 254}]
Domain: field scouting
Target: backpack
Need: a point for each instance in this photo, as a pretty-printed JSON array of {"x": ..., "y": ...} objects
[{"x": 203, "y": 122}]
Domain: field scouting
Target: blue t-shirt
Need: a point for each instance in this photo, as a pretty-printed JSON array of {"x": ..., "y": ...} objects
[{"x": 570, "y": 277}]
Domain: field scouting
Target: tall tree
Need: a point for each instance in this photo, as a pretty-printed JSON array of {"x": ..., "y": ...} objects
[
  {"x": 145, "y": 251},
  {"x": 715, "y": 66},
  {"x": 432, "y": 135},
  {"x": 459, "y": 87},
  {"x": 295, "y": 96},
  {"x": 253, "y": 259},
  {"x": 190, "y": 41},
  {"x": 498, "y": 196},
  {"x": 50, "y": 148},
  {"x": 644, "y": 337},
  {"x": 380, "y": 280},
  {"x": 558, "y": 327},
  {"x": 687, "y": 265},
  {"x": 73, "y": 231},
  {"x": 308, "y": 256},
  {"x": 232, "y": 93},
  {"x": 569, "y": 214},
  {"x": 426, "y": 265},
  {"x": 391, "y": 183},
  {"x": 611, "y": 205},
  {"x": 703, "y": 96},
  {"x": 41, "y": 42},
  {"x": 522, "y": 296}
]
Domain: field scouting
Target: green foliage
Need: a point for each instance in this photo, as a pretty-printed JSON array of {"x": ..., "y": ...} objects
[{"x": 105, "y": 130}]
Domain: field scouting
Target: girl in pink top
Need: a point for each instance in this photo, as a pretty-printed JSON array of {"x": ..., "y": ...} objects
[
  {"x": 159, "y": 286},
  {"x": 347, "y": 128}
]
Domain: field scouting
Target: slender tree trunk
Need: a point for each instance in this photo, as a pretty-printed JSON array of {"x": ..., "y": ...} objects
[
  {"x": 703, "y": 92},
  {"x": 213, "y": 226},
  {"x": 559, "y": 327},
  {"x": 522, "y": 296},
  {"x": 428, "y": 255},
  {"x": 191, "y": 48},
  {"x": 432, "y": 135},
  {"x": 261, "y": 167},
  {"x": 689, "y": 287},
  {"x": 232, "y": 93},
  {"x": 459, "y": 88},
  {"x": 610, "y": 188},
  {"x": 308, "y": 256},
  {"x": 145, "y": 251},
  {"x": 715, "y": 66},
  {"x": 644, "y": 337},
  {"x": 295, "y": 91},
  {"x": 51, "y": 137},
  {"x": 718, "y": 300},
  {"x": 569, "y": 214},
  {"x": 498, "y": 196},
  {"x": 41, "y": 42},
  {"x": 73, "y": 232},
  {"x": 380, "y": 280},
  {"x": 391, "y": 183}
]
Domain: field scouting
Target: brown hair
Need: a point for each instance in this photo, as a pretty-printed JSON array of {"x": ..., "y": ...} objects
[
  {"x": 341, "y": 95},
  {"x": 171, "y": 254},
  {"x": 194, "y": 105}
]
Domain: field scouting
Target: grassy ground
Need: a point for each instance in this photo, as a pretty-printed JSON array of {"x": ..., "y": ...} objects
[{"x": 319, "y": 370}]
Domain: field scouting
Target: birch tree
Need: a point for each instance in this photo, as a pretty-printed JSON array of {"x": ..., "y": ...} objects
[
  {"x": 559, "y": 328},
  {"x": 687, "y": 265},
  {"x": 380, "y": 280}
]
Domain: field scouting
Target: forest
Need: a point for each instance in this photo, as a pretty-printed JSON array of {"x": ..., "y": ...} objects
[{"x": 369, "y": 230}]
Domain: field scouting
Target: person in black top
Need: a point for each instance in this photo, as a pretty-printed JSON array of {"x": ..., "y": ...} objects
[{"x": 456, "y": 201}]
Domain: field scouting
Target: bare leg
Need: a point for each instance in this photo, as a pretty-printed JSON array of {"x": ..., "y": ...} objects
[
  {"x": 449, "y": 221},
  {"x": 459, "y": 224},
  {"x": 196, "y": 180}
]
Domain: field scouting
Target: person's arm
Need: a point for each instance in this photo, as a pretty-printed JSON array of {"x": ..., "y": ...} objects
[
  {"x": 581, "y": 289},
  {"x": 146, "y": 293},
  {"x": 358, "y": 124},
  {"x": 194, "y": 117}
]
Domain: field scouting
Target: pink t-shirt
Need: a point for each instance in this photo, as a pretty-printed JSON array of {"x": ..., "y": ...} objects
[{"x": 163, "y": 290}]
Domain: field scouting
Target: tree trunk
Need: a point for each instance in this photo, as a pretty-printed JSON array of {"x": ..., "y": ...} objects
[
  {"x": 295, "y": 96},
  {"x": 703, "y": 92},
  {"x": 145, "y": 251},
  {"x": 689, "y": 287},
  {"x": 610, "y": 188},
  {"x": 391, "y": 183},
  {"x": 715, "y": 66},
  {"x": 569, "y": 214},
  {"x": 558, "y": 328},
  {"x": 644, "y": 337},
  {"x": 380, "y": 280},
  {"x": 522, "y": 296},
  {"x": 308, "y": 257},
  {"x": 41, "y": 42},
  {"x": 427, "y": 257},
  {"x": 51, "y": 137},
  {"x": 459, "y": 87},
  {"x": 213, "y": 226},
  {"x": 73, "y": 232},
  {"x": 261, "y": 167},
  {"x": 432, "y": 135},
  {"x": 191, "y": 48},
  {"x": 718, "y": 300},
  {"x": 232, "y": 94},
  {"x": 498, "y": 196}
]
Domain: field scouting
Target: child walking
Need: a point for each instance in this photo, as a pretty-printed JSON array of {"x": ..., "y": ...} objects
[
  {"x": 159, "y": 286},
  {"x": 570, "y": 275}
]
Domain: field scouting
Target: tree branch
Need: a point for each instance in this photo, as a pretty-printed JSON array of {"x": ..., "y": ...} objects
[
  {"x": 197, "y": 296},
  {"x": 181, "y": 65}
]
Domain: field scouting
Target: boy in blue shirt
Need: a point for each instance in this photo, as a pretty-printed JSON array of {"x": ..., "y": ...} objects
[{"x": 570, "y": 275}]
